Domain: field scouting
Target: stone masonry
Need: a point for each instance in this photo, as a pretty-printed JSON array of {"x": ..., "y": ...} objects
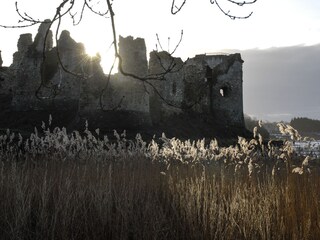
[
  {"x": 206, "y": 84},
  {"x": 66, "y": 78}
]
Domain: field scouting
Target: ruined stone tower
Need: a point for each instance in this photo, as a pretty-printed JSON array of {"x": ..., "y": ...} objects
[
  {"x": 206, "y": 84},
  {"x": 134, "y": 55},
  {"x": 124, "y": 99},
  {"x": 206, "y": 88}
]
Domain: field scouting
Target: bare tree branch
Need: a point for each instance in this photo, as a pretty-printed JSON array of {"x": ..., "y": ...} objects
[
  {"x": 227, "y": 13},
  {"x": 158, "y": 40},
  {"x": 62, "y": 10},
  {"x": 242, "y": 3},
  {"x": 178, "y": 44},
  {"x": 102, "y": 14},
  {"x": 175, "y": 9}
]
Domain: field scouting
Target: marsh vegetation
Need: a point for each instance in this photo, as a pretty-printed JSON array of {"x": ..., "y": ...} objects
[{"x": 81, "y": 185}]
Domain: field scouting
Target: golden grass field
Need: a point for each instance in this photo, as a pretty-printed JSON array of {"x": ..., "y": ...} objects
[{"x": 81, "y": 185}]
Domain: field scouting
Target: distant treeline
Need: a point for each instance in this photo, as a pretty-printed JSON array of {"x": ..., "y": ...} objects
[{"x": 305, "y": 124}]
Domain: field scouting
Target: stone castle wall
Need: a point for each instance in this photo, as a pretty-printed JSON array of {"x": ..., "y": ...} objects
[
  {"x": 209, "y": 85},
  {"x": 205, "y": 84}
]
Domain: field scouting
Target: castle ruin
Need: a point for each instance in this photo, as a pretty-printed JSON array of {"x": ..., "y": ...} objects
[{"x": 207, "y": 87}]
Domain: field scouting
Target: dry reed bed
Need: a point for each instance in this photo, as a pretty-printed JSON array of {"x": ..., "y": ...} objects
[{"x": 56, "y": 185}]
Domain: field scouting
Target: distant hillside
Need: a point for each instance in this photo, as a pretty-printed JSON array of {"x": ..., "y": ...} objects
[{"x": 303, "y": 124}]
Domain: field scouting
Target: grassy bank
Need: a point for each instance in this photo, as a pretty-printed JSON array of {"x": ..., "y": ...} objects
[{"x": 59, "y": 185}]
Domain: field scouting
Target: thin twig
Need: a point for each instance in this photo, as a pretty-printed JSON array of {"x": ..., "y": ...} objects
[
  {"x": 230, "y": 15},
  {"x": 175, "y": 9}
]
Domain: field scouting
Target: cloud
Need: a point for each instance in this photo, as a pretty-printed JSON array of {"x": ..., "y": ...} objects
[{"x": 282, "y": 81}]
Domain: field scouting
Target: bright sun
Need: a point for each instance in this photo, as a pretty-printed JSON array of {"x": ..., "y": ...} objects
[
  {"x": 91, "y": 49},
  {"x": 96, "y": 42},
  {"x": 107, "y": 55}
]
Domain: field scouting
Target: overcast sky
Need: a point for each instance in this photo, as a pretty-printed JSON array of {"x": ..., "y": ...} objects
[
  {"x": 282, "y": 83},
  {"x": 274, "y": 23}
]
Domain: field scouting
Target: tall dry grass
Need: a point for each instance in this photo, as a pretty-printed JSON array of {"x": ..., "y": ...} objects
[{"x": 56, "y": 185}]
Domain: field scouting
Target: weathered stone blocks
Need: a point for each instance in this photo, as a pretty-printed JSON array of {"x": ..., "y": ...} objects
[{"x": 66, "y": 78}]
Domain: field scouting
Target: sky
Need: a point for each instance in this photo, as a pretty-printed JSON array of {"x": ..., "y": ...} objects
[
  {"x": 274, "y": 24},
  {"x": 282, "y": 83}
]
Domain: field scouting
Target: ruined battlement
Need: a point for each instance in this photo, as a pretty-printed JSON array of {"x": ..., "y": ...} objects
[{"x": 209, "y": 86}]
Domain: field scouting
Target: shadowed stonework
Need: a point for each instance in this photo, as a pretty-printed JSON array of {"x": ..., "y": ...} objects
[{"x": 201, "y": 97}]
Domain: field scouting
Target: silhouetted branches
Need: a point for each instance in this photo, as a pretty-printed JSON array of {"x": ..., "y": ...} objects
[
  {"x": 176, "y": 47},
  {"x": 241, "y": 3},
  {"x": 177, "y": 8},
  {"x": 77, "y": 13},
  {"x": 227, "y": 13},
  {"x": 178, "y": 44}
]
